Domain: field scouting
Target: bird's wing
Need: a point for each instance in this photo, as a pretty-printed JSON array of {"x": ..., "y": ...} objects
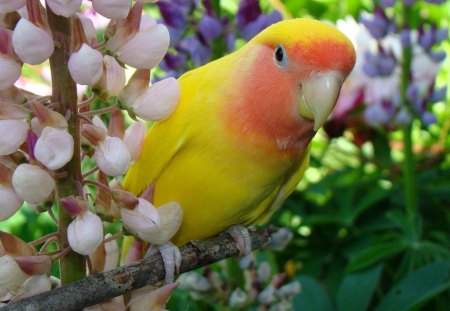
[{"x": 288, "y": 186}]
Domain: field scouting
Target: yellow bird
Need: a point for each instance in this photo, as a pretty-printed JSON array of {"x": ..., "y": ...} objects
[{"x": 238, "y": 142}]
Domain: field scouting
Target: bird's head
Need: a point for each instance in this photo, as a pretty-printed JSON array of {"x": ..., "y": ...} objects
[{"x": 301, "y": 65}]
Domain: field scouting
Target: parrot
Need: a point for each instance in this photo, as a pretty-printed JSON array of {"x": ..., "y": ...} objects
[{"x": 239, "y": 139}]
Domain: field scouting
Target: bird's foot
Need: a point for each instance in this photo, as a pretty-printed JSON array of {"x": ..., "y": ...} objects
[
  {"x": 240, "y": 234},
  {"x": 171, "y": 259}
]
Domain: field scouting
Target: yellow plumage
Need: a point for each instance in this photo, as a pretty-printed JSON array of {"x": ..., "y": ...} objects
[{"x": 236, "y": 146}]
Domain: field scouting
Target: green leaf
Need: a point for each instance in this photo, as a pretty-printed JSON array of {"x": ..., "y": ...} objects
[
  {"x": 357, "y": 289},
  {"x": 313, "y": 297},
  {"x": 377, "y": 253},
  {"x": 418, "y": 287}
]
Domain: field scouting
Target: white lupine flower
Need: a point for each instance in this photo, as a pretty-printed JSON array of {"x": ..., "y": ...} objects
[
  {"x": 111, "y": 254},
  {"x": 7, "y": 6},
  {"x": 54, "y": 148},
  {"x": 37, "y": 284},
  {"x": 32, "y": 44},
  {"x": 13, "y": 134},
  {"x": 149, "y": 298},
  {"x": 64, "y": 8},
  {"x": 11, "y": 276},
  {"x": 88, "y": 26},
  {"x": 9, "y": 202},
  {"x": 85, "y": 233},
  {"x": 32, "y": 183},
  {"x": 134, "y": 138},
  {"x": 144, "y": 218},
  {"x": 112, "y": 156},
  {"x": 158, "y": 102},
  {"x": 146, "y": 48},
  {"x": 86, "y": 65},
  {"x": 112, "y": 9},
  {"x": 10, "y": 71}
]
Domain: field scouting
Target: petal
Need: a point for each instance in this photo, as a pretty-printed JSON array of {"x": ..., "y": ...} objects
[
  {"x": 134, "y": 138},
  {"x": 9, "y": 202},
  {"x": 7, "y": 6},
  {"x": 86, "y": 65},
  {"x": 144, "y": 218},
  {"x": 112, "y": 156},
  {"x": 32, "y": 183},
  {"x": 10, "y": 71},
  {"x": 64, "y": 8},
  {"x": 32, "y": 44},
  {"x": 115, "y": 76},
  {"x": 85, "y": 233},
  {"x": 13, "y": 134},
  {"x": 112, "y": 9},
  {"x": 54, "y": 148},
  {"x": 146, "y": 48}
]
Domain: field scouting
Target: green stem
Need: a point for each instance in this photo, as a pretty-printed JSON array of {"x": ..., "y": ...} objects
[
  {"x": 409, "y": 174},
  {"x": 72, "y": 265}
]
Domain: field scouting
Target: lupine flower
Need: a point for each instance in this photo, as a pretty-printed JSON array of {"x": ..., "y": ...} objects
[
  {"x": 31, "y": 43},
  {"x": 112, "y": 9},
  {"x": 112, "y": 156},
  {"x": 11, "y": 276},
  {"x": 88, "y": 27},
  {"x": 64, "y": 8},
  {"x": 85, "y": 233},
  {"x": 238, "y": 299},
  {"x": 34, "y": 285},
  {"x": 10, "y": 68},
  {"x": 113, "y": 78},
  {"x": 14, "y": 134},
  {"x": 86, "y": 65},
  {"x": 144, "y": 218},
  {"x": 10, "y": 202},
  {"x": 47, "y": 117},
  {"x": 54, "y": 148},
  {"x": 32, "y": 184}
]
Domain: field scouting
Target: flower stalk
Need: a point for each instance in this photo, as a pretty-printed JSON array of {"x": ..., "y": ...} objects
[{"x": 65, "y": 93}]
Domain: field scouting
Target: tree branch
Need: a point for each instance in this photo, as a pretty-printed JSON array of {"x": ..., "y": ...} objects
[{"x": 99, "y": 287}]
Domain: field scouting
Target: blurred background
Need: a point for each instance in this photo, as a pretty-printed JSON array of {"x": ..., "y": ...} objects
[{"x": 369, "y": 225}]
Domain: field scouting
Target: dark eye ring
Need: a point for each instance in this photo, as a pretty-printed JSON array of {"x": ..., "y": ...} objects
[{"x": 280, "y": 56}]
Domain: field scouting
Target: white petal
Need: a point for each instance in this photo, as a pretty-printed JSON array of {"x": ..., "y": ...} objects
[
  {"x": 13, "y": 134},
  {"x": 112, "y": 254},
  {"x": 146, "y": 48},
  {"x": 113, "y": 9},
  {"x": 54, "y": 148},
  {"x": 115, "y": 76},
  {"x": 64, "y": 8},
  {"x": 85, "y": 233},
  {"x": 86, "y": 65},
  {"x": 144, "y": 218},
  {"x": 11, "y": 276},
  {"x": 7, "y": 6},
  {"x": 10, "y": 71},
  {"x": 159, "y": 101},
  {"x": 112, "y": 156},
  {"x": 88, "y": 27},
  {"x": 134, "y": 138},
  {"x": 32, "y": 44},
  {"x": 9, "y": 202},
  {"x": 37, "y": 284},
  {"x": 32, "y": 183}
]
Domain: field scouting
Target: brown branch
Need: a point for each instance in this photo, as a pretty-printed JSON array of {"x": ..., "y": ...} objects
[{"x": 102, "y": 286}]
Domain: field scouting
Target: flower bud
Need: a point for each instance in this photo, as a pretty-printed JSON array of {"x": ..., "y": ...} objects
[
  {"x": 170, "y": 217},
  {"x": 144, "y": 218},
  {"x": 32, "y": 183},
  {"x": 112, "y": 9},
  {"x": 54, "y": 148},
  {"x": 288, "y": 290},
  {"x": 86, "y": 65},
  {"x": 14, "y": 134},
  {"x": 134, "y": 252},
  {"x": 7, "y": 6},
  {"x": 280, "y": 239},
  {"x": 85, "y": 233},
  {"x": 267, "y": 296},
  {"x": 116, "y": 126},
  {"x": 74, "y": 206},
  {"x": 124, "y": 199},
  {"x": 150, "y": 299},
  {"x": 106, "y": 256},
  {"x": 158, "y": 102},
  {"x": 32, "y": 44},
  {"x": 134, "y": 139},
  {"x": 11, "y": 276},
  {"x": 33, "y": 265},
  {"x": 10, "y": 71},
  {"x": 112, "y": 156},
  {"x": 192, "y": 281},
  {"x": 64, "y": 8},
  {"x": 10, "y": 202},
  {"x": 264, "y": 272},
  {"x": 146, "y": 48}
]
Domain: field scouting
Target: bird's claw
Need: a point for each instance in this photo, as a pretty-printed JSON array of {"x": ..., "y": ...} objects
[{"x": 241, "y": 235}]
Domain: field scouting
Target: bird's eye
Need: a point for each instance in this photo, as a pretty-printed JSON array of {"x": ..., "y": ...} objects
[{"x": 280, "y": 56}]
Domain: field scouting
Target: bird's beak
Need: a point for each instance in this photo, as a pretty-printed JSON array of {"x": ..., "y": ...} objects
[{"x": 319, "y": 95}]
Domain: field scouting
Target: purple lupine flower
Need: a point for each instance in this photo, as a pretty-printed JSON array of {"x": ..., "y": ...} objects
[
  {"x": 199, "y": 53},
  {"x": 210, "y": 28},
  {"x": 435, "y": 1},
  {"x": 409, "y": 2},
  {"x": 248, "y": 11},
  {"x": 174, "y": 12},
  {"x": 379, "y": 25},
  {"x": 262, "y": 22},
  {"x": 174, "y": 62},
  {"x": 438, "y": 95},
  {"x": 428, "y": 118},
  {"x": 405, "y": 38},
  {"x": 387, "y": 3}
]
